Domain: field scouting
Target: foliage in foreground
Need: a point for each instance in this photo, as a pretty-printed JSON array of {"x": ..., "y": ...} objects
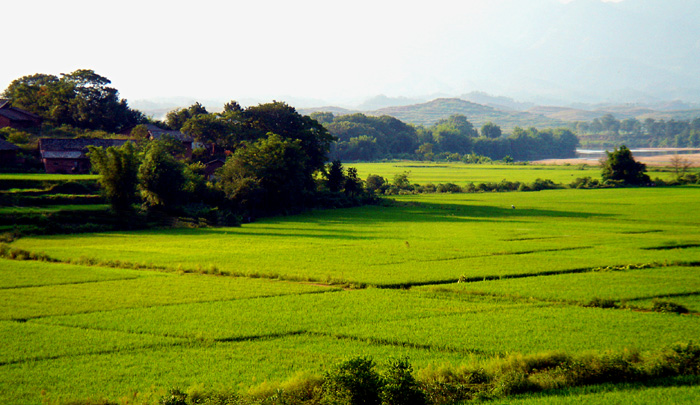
[{"x": 357, "y": 380}]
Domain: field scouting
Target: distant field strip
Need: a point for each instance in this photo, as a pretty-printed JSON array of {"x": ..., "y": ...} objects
[
  {"x": 585, "y": 286},
  {"x": 15, "y": 274},
  {"x": 108, "y": 295},
  {"x": 461, "y": 174}
]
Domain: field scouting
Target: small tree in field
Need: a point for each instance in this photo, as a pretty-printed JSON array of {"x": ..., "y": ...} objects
[
  {"x": 620, "y": 165},
  {"x": 118, "y": 170},
  {"x": 680, "y": 166}
]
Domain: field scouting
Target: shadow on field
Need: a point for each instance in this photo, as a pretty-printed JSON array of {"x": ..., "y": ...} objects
[
  {"x": 433, "y": 212},
  {"x": 589, "y": 392}
]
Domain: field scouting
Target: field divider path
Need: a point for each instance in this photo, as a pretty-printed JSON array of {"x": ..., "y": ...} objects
[
  {"x": 91, "y": 353},
  {"x": 495, "y": 254},
  {"x": 394, "y": 343},
  {"x": 579, "y": 303},
  {"x": 17, "y": 287},
  {"x": 476, "y": 279},
  {"x": 688, "y": 294},
  {"x": 164, "y": 305}
]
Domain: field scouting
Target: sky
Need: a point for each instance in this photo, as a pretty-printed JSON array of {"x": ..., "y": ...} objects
[{"x": 342, "y": 52}]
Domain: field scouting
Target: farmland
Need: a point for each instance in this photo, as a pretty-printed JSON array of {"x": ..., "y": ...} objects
[
  {"x": 444, "y": 279},
  {"x": 462, "y": 174}
]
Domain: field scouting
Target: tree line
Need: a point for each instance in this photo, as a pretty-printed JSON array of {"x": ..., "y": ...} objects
[
  {"x": 275, "y": 162},
  {"x": 81, "y": 99},
  {"x": 367, "y": 138},
  {"x": 608, "y": 130}
]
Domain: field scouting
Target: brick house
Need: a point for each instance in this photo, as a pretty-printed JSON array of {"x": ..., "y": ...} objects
[
  {"x": 69, "y": 156},
  {"x": 16, "y": 118},
  {"x": 8, "y": 153},
  {"x": 155, "y": 133},
  {"x": 211, "y": 167}
]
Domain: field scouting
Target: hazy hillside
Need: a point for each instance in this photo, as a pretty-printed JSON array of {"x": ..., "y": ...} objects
[
  {"x": 620, "y": 112},
  {"x": 432, "y": 111}
]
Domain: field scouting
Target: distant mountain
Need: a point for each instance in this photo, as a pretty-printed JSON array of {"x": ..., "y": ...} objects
[
  {"x": 332, "y": 109},
  {"x": 432, "y": 111},
  {"x": 498, "y": 102},
  {"x": 383, "y": 101},
  {"x": 621, "y": 112}
]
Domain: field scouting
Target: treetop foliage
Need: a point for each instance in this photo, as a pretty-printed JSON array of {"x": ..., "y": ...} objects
[
  {"x": 619, "y": 165},
  {"x": 648, "y": 132},
  {"x": 362, "y": 137},
  {"x": 81, "y": 99}
]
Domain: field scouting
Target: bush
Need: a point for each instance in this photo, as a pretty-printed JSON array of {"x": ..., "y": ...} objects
[
  {"x": 515, "y": 382},
  {"x": 352, "y": 382},
  {"x": 585, "y": 182},
  {"x": 601, "y": 303},
  {"x": 448, "y": 188},
  {"x": 400, "y": 387},
  {"x": 668, "y": 306},
  {"x": 174, "y": 397}
]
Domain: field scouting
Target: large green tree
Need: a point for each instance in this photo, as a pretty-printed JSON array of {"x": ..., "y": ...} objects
[
  {"x": 161, "y": 177},
  {"x": 177, "y": 118},
  {"x": 620, "y": 165},
  {"x": 82, "y": 99},
  {"x": 270, "y": 175},
  {"x": 118, "y": 169}
]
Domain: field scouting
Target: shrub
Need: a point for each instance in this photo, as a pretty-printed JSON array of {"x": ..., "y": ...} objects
[
  {"x": 515, "y": 382},
  {"x": 174, "y": 396},
  {"x": 601, "y": 303},
  {"x": 400, "y": 387},
  {"x": 448, "y": 188},
  {"x": 352, "y": 382},
  {"x": 668, "y": 306}
]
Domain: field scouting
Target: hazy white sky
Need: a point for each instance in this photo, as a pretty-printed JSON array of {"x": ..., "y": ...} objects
[{"x": 305, "y": 48}]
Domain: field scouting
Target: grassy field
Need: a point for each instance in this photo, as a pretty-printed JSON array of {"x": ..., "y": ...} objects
[
  {"x": 461, "y": 174},
  {"x": 235, "y": 307},
  {"x": 47, "y": 177}
]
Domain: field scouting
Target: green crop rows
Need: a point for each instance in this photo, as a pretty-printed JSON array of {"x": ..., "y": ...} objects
[
  {"x": 462, "y": 174},
  {"x": 442, "y": 279}
]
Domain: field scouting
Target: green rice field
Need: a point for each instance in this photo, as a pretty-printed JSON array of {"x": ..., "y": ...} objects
[
  {"x": 461, "y": 174},
  {"x": 443, "y": 279}
]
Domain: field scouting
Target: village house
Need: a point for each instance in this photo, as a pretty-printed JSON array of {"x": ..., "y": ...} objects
[
  {"x": 211, "y": 167},
  {"x": 69, "y": 156},
  {"x": 8, "y": 153},
  {"x": 157, "y": 133},
  {"x": 15, "y": 117}
]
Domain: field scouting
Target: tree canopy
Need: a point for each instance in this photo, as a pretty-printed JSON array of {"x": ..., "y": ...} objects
[
  {"x": 619, "y": 165},
  {"x": 81, "y": 99}
]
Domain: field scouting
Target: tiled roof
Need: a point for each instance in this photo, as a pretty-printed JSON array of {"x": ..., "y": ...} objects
[
  {"x": 78, "y": 144},
  {"x": 4, "y": 145},
  {"x": 16, "y": 114},
  {"x": 157, "y": 133},
  {"x": 52, "y": 148},
  {"x": 49, "y": 154}
]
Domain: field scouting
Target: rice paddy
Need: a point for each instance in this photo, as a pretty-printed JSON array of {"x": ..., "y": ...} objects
[{"x": 442, "y": 279}]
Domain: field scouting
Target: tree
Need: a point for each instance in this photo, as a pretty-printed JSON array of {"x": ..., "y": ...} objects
[
  {"x": 176, "y": 119},
  {"x": 270, "y": 175},
  {"x": 491, "y": 130},
  {"x": 680, "y": 166},
  {"x": 118, "y": 169},
  {"x": 353, "y": 184},
  {"x": 283, "y": 120},
  {"x": 161, "y": 177},
  {"x": 82, "y": 99},
  {"x": 620, "y": 165},
  {"x": 335, "y": 176}
]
